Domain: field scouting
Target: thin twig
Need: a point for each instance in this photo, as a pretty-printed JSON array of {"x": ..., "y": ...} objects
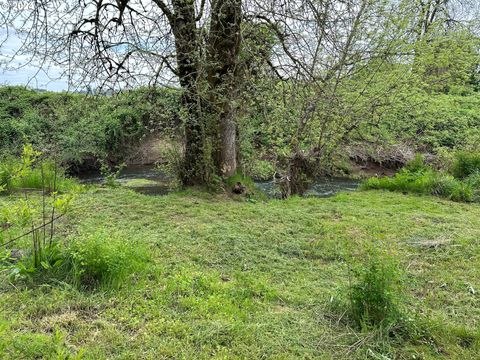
[
  {"x": 53, "y": 206},
  {"x": 31, "y": 231}
]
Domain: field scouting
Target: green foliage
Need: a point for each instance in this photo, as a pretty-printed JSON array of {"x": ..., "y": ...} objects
[
  {"x": 8, "y": 170},
  {"x": 89, "y": 262},
  {"x": 81, "y": 129},
  {"x": 260, "y": 169},
  {"x": 31, "y": 172},
  {"x": 44, "y": 263},
  {"x": 474, "y": 180},
  {"x": 430, "y": 182},
  {"x": 44, "y": 258},
  {"x": 173, "y": 166},
  {"x": 445, "y": 62},
  {"x": 466, "y": 164},
  {"x": 13, "y": 169},
  {"x": 99, "y": 260},
  {"x": 48, "y": 175},
  {"x": 375, "y": 291},
  {"x": 417, "y": 165},
  {"x": 242, "y": 179},
  {"x": 429, "y": 122}
]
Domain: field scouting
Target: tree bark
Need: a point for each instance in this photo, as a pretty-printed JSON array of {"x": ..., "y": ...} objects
[
  {"x": 186, "y": 42},
  {"x": 228, "y": 147},
  {"x": 223, "y": 45},
  {"x": 223, "y": 50}
]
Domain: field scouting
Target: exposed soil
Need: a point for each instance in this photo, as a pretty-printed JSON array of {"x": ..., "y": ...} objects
[{"x": 370, "y": 169}]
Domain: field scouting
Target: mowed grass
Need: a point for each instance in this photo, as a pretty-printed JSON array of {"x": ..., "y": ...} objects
[{"x": 233, "y": 279}]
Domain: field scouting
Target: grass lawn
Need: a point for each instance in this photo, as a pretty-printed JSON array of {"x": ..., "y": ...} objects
[{"x": 224, "y": 278}]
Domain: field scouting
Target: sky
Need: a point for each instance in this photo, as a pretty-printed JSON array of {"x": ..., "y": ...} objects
[{"x": 29, "y": 75}]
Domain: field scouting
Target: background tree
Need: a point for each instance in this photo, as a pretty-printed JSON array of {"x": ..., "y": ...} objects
[{"x": 336, "y": 67}]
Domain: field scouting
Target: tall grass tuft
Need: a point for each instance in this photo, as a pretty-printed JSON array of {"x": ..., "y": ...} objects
[
  {"x": 45, "y": 175},
  {"x": 466, "y": 164},
  {"x": 375, "y": 291},
  {"x": 102, "y": 261},
  {"x": 419, "y": 178}
]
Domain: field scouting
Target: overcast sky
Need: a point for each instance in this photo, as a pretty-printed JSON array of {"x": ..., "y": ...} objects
[{"x": 29, "y": 74}]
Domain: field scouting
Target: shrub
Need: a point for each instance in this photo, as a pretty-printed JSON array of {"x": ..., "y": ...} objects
[
  {"x": 474, "y": 181},
  {"x": 417, "y": 164},
  {"x": 174, "y": 166},
  {"x": 42, "y": 263},
  {"x": 466, "y": 164},
  {"x": 375, "y": 292},
  {"x": 82, "y": 128},
  {"x": 44, "y": 258},
  {"x": 242, "y": 179},
  {"x": 102, "y": 261},
  {"x": 8, "y": 171}
]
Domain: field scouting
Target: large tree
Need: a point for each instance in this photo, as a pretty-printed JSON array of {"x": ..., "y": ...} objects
[{"x": 118, "y": 43}]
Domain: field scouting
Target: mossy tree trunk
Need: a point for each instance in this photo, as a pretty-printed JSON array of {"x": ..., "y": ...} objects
[
  {"x": 183, "y": 23},
  {"x": 223, "y": 65},
  {"x": 213, "y": 98}
]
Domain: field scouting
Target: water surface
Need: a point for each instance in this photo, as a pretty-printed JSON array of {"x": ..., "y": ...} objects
[{"x": 151, "y": 181}]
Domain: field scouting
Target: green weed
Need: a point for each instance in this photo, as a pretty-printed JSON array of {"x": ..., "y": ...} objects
[
  {"x": 98, "y": 260},
  {"x": 375, "y": 291},
  {"x": 261, "y": 169}
]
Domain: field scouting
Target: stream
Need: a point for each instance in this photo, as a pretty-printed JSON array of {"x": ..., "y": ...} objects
[{"x": 150, "y": 181}]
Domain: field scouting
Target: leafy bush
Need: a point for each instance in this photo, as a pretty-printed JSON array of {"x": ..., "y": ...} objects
[
  {"x": 94, "y": 261},
  {"x": 99, "y": 260},
  {"x": 466, "y": 164},
  {"x": 474, "y": 182},
  {"x": 42, "y": 263},
  {"x": 375, "y": 291},
  {"x": 431, "y": 121},
  {"x": 242, "y": 179},
  {"x": 8, "y": 170},
  {"x": 450, "y": 188}
]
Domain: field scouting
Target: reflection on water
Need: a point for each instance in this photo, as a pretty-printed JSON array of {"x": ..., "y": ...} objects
[
  {"x": 150, "y": 181},
  {"x": 323, "y": 187},
  {"x": 145, "y": 179}
]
